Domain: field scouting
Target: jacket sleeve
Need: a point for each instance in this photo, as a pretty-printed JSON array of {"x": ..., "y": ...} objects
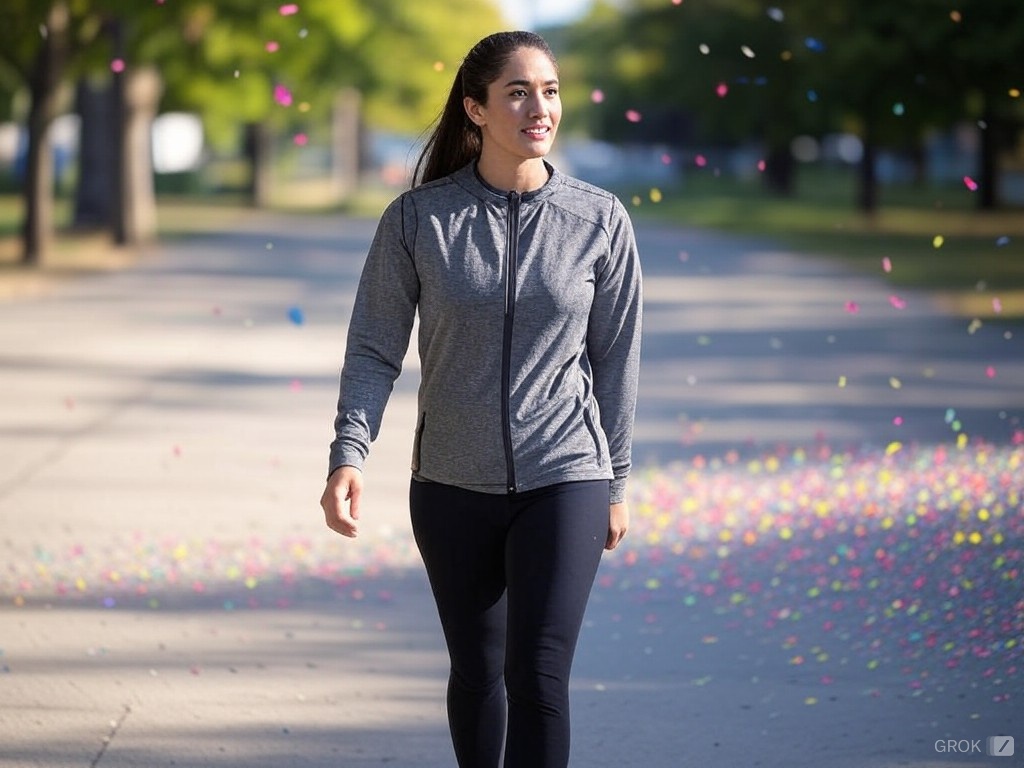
[
  {"x": 378, "y": 337},
  {"x": 613, "y": 343}
]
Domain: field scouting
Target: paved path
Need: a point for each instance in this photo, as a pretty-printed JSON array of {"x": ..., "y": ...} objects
[{"x": 170, "y": 596}]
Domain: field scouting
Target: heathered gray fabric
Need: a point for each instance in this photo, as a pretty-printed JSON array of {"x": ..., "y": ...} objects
[{"x": 441, "y": 248}]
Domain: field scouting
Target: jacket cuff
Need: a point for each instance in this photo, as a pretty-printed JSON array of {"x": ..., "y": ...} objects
[
  {"x": 341, "y": 457},
  {"x": 617, "y": 488}
]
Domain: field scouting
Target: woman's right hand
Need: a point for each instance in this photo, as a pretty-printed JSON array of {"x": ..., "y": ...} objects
[{"x": 344, "y": 485}]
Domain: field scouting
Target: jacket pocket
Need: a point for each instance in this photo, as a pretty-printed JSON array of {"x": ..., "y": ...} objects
[
  {"x": 595, "y": 434},
  {"x": 417, "y": 442}
]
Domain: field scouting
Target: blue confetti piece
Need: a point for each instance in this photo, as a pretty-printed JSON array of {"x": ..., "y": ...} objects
[{"x": 296, "y": 315}]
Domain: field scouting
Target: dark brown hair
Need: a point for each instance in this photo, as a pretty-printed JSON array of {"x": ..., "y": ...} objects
[{"x": 456, "y": 140}]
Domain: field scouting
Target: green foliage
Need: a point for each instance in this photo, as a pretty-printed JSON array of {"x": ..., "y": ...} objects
[
  {"x": 723, "y": 71},
  {"x": 224, "y": 58}
]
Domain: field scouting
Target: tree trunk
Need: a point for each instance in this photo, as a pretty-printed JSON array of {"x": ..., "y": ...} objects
[
  {"x": 257, "y": 150},
  {"x": 97, "y": 150},
  {"x": 138, "y": 197},
  {"x": 346, "y": 142},
  {"x": 867, "y": 193},
  {"x": 779, "y": 170},
  {"x": 44, "y": 84},
  {"x": 988, "y": 161}
]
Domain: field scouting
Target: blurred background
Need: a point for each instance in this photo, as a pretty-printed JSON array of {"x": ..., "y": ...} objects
[{"x": 857, "y": 128}]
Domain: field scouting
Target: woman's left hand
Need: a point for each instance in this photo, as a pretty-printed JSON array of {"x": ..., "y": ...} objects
[{"x": 618, "y": 524}]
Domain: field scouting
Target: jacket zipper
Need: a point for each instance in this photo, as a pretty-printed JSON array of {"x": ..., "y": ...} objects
[{"x": 511, "y": 267}]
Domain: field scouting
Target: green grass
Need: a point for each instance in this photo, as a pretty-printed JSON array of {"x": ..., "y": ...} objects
[{"x": 821, "y": 219}]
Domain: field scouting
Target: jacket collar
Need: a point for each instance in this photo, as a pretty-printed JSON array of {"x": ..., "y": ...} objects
[{"x": 469, "y": 179}]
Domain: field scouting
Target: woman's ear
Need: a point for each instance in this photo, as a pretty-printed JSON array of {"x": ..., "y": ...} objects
[{"x": 475, "y": 111}]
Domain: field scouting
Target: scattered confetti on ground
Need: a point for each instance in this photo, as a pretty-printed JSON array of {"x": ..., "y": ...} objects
[
  {"x": 905, "y": 558},
  {"x": 902, "y": 558}
]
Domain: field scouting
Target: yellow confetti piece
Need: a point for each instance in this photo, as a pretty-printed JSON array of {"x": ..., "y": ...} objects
[
  {"x": 961, "y": 441},
  {"x": 894, "y": 447},
  {"x": 655, "y": 195},
  {"x": 810, "y": 701},
  {"x": 895, "y": 383},
  {"x": 1014, "y": 93},
  {"x": 937, "y": 241},
  {"x": 842, "y": 382}
]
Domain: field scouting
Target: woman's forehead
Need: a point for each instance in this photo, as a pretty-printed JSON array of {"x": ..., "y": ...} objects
[{"x": 529, "y": 65}]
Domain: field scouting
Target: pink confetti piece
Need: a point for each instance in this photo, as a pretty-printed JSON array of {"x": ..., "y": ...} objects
[
  {"x": 970, "y": 183},
  {"x": 272, "y": 46},
  {"x": 722, "y": 90},
  {"x": 897, "y": 302},
  {"x": 597, "y": 96},
  {"x": 282, "y": 96},
  {"x": 633, "y": 116},
  {"x": 887, "y": 264},
  {"x": 700, "y": 161},
  {"x": 761, "y": 165},
  {"x": 289, "y": 9},
  {"x": 852, "y": 307},
  {"x": 997, "y": 305},
  {"x": 990, "y": 371},
  {"x": 301, "y": 139},
  {"x": 117, "y": 66}
]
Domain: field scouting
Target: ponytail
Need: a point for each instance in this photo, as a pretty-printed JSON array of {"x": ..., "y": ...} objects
[{"x": 456, "y": 140}]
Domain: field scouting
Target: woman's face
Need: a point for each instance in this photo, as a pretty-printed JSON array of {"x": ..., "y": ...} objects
[{"x": 523, "y": 108}]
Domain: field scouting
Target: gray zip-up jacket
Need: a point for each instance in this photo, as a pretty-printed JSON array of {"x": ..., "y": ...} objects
[{"x": 529, "y": 334}]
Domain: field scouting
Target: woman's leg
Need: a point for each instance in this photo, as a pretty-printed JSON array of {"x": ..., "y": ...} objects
[
  {"x": 554, "y": 545},
  {"x": 461, "y": 537}
]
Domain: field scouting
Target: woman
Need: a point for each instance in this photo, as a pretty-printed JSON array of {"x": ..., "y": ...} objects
[{"x": 527, "y": 284}]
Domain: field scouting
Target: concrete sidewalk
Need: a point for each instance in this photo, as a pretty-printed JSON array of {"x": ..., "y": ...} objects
[{"x": 171, "y": 597}]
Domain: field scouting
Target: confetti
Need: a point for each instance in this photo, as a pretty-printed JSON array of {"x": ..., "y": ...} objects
[
  {"x": 282, "y": 96},
  {"x": 722, "y": 90},
  {"x": 633, "y": 116},
  {"x": 289, "y": 9},
  {"x": 296, "y": 315},
  {"x": 597, "y": 96},
  {"x": 272, "y": 46},
  {"x": 117, "y": 66},
  {"x": 887, "y": 264},
  {"x": 897, "y": 302},
  {"x": 937, "y": 241},
  {"x": 970, "y": 183}
]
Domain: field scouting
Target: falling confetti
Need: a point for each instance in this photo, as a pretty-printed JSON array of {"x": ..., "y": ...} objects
[
  {"x": 117, "y": 66},
  {"x": 290, "y": 9},
  {"x": 887, "y": 264},
  {"x": 897, "y": 302},
  {"x": 282, "y": 96},
  {"x": 272, "y": 46},
  {"x": 937, "y": 241},
  {"x": 722, "y": 90},
  {"x": 597, "y": 96},
  {"x": 970, "y": 183},
  {"x": 296, "y": 315},
  {"x": 633, "y": 116}
]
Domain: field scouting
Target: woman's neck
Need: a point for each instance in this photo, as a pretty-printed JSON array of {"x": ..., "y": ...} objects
[{"x": 525, "y": 177}]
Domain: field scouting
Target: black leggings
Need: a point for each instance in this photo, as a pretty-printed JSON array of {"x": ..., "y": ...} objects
[{"x": 511, "y": 576}]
